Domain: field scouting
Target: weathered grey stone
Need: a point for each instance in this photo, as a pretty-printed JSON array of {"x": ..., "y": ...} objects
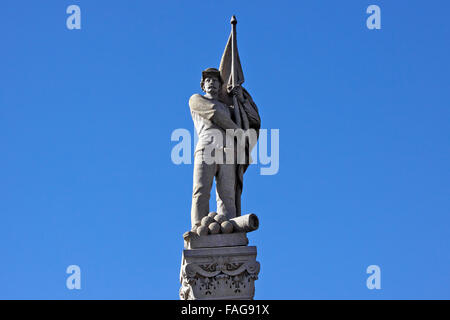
[
  {"x": 220, "y": 218},
  {"x": 219, "y": 273},
  {"x": 212, "y": 214},
  {"x": 221, "y": 265},
  {"x": 202, "y": 231},
  {"x": 214, "y": 228},
  {"x": 225, "y": 107},
  {"x": 226, "y": 227},
  {"x": 247, "y": 223},
  {"x": 206, "y": 221},
  {"x": 192, "y": 240}
]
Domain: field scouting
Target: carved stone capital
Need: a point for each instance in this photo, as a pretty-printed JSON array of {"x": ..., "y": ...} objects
[{"x": 219, "y": 273}]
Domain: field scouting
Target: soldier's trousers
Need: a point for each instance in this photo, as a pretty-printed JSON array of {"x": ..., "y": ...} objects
[{"x": 204, "y": 174}]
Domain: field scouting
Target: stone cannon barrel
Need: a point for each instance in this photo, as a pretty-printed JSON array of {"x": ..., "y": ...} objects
[{"x": 247, "y": 223}]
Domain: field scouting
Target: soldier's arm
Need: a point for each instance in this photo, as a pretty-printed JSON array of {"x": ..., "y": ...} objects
[
  {"x": 223, "y": 120},
  {"x": 208, "y": 110}
]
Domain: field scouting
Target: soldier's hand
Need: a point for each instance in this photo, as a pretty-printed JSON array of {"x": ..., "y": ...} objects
[{"x": 237, "y": 91}]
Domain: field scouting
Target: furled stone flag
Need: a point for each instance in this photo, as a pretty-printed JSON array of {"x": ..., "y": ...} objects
[{"x": 233, "y": 76}]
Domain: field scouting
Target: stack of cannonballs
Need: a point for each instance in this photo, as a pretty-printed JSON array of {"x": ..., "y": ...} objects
[{"x": 214, "y": 223}]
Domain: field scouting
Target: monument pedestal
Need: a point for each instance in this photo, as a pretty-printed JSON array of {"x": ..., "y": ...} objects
[{"x": 218, "y": 273}]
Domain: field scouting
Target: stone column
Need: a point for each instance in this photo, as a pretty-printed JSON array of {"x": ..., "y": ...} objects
[{"x": 218, "y": 267}]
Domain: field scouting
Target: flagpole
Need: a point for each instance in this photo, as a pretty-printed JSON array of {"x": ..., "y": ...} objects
[
  {"x": 237, "y": 114},
  {"x": 233, "y": 49}
]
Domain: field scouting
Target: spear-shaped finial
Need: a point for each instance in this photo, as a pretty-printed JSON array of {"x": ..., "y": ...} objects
[{"x": 233, "y": 20}]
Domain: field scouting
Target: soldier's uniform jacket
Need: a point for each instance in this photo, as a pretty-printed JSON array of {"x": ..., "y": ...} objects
[{"x": 208, "y": 114}]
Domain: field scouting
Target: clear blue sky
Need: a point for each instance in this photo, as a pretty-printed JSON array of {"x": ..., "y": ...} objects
[{"x": 85, "y": 123}]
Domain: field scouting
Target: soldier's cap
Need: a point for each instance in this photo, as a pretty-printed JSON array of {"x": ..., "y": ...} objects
[{"x": 211, "y": 72}]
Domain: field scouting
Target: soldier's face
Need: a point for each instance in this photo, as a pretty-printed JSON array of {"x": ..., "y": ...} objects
[{"x": 211, "y": 85}]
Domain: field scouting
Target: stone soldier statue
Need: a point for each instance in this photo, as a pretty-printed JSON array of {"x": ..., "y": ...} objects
[
  {"x": 225, "y": 107},
  {"x": 216, "y": 261},
  {"x": 211, "y": 115}
]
